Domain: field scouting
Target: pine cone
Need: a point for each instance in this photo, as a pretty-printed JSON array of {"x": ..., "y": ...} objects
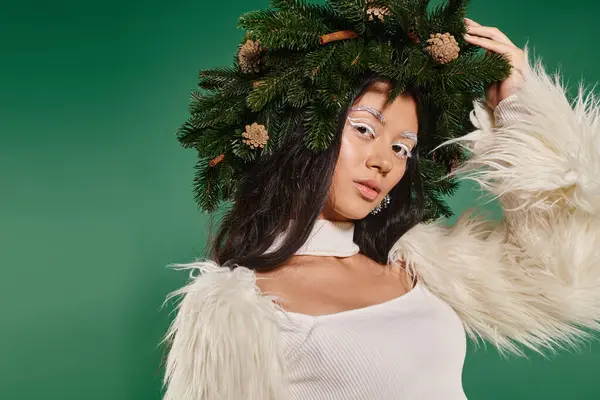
[
  {"x": 452, "y": 164},
  {"x": 249, "y": 57},
  {"x": 443, "y": 47},
  {"x": 256, "y": 136},
  {"x": 378, "y": 13},
  {"x": 455, "y": 163}
]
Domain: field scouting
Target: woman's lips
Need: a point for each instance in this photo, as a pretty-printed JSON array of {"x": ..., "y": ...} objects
[{"x": 367, "y": 191}]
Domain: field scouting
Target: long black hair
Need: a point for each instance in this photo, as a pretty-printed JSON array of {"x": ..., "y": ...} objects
[{"x": 287, "y": 191}]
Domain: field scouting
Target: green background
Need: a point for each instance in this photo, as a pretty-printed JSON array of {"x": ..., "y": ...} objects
[{"x": 96, "y": 192}]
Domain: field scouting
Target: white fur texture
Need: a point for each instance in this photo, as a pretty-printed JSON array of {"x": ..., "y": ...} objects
[
  {"x": 547, "y": 151},
  {"x": 534, "y": 278},
  {"x": 224, "y": 340}
]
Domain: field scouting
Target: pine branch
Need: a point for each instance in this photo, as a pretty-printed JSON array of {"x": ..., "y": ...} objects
[
  {"x": 413, "y": 66},
  {"x": 435, "y": 185},
  {"x": 272, "y": 122},
  {"x": 448, "y": 123},
  {"x": 449, "y": 17},
  {"x": 467, "y": 72},
  {"x": 217, "y": 78},
  {"x": 282, "y": 122},
  {"x": 408, "y": 14},
  {"x": 329, "y": 101},
  {"x": 382, "y": 60},
  {"x": 215, "y": 109},
  {"x": 298, "y": 95},
  {"x": 353, "y": 11},
  {"x": 399, "y": 87},
  {"x": 284, "y": 5},
  {"x": 228, "y": 80},
  {"x": 306, "y": 9},
  {"x": 283, "y": 29},
  {"x": 213, "y": 141},
  {"x": 457, "y": 6},
  {"x": 240, "y": 86},
  {"x": 187, "y": 134},
  {"x": 342, "y": 87},
  {"x": 444, "y": 99},
  {"x": 320, "y": 126},
  {"x": 206, "y": 187},
  {"x": 272, "y": 87},
  {"x": 435, "y": 207},
  {"x": 243, "y": 151},
  {"x": 281, "y": 59},
  {"x": 318, "y": 61},
  {"x": 352, "y": 57},
  {"x": 228, "y": 182}
]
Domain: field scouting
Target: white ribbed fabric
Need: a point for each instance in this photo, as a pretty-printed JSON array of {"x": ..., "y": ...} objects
[
  {"x": 410, "y": 348},
  {"x": 335, "y": 238},
  {"x": 509, "y": 110}
]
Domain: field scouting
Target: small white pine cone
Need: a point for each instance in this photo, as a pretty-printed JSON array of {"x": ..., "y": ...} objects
[
  {"x": 256, "y": 136},
  {"x": 378, "y": 13}
]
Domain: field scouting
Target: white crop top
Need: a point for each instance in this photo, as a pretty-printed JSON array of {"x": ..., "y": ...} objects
[{"x": 412, "y": 347}]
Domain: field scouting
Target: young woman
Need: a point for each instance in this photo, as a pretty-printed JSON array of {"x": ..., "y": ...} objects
[{"x": 326, "y": 285}]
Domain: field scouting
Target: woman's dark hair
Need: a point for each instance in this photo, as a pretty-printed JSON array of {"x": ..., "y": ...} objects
[{"x": 287, "y": 191}]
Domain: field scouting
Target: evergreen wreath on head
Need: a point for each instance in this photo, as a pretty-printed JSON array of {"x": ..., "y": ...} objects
[{"x": 300, "y": 63}]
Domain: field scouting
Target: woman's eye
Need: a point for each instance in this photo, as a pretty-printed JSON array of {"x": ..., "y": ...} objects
[
  {"x": 363, "y": 129},
  {"x": 402, "y": 150}
]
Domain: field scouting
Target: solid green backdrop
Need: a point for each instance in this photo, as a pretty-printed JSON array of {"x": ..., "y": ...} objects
[{"x": 96, "y": 193}]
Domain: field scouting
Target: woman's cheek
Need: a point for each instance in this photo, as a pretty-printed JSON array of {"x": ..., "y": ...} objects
[
  {"x": 349, "y": 149},
  {"x": 347, "y": 166}
]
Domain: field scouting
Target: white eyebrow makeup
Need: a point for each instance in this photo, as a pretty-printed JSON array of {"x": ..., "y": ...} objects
[
  {"x": 372, "y": 111},
  {"x": 365, "y": 129}
]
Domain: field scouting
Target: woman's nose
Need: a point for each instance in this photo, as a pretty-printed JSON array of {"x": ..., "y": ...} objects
[{"x": 379, "y": 162}]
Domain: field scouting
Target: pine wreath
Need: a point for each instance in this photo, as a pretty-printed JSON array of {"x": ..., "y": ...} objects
[{"x": 300, "y": 62}]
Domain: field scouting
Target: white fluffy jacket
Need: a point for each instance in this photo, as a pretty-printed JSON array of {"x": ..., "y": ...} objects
[{"x": 532, "y": 279}]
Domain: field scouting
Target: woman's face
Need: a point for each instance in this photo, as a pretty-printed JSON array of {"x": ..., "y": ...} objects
[{"x": 377, "y": 141}]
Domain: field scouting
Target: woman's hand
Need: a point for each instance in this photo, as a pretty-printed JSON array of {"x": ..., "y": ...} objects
[{"x": 493, "y": 40}]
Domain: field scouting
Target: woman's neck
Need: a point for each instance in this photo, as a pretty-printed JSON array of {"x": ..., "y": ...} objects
[
  {"x": 330, "y": 238},
  {"x": 326, "y": 239}
]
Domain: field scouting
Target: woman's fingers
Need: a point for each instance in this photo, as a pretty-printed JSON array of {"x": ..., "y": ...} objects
[
  {"x": 490, "y": 44},
  {"x": 495, "y": 41},
  {"x": 473, "y": 28},
  {"x": 489, "y": 33},
  {"x": 471, "y": 22}
]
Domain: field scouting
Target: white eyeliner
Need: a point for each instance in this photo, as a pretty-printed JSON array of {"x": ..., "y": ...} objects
[
  {"x": 407, "y": 134},
  {"x": 405, "y": 147},
  {"x": 412, "y": 136},
  {"x": 355, "y": 124}
]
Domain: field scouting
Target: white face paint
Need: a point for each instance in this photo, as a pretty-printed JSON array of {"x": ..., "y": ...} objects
[{"x": 365, "y": 129}]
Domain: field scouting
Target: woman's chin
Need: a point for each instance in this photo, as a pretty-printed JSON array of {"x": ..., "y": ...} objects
[
  {"x": 349, "y": 206},
  {"x": 354, "y": 210}
]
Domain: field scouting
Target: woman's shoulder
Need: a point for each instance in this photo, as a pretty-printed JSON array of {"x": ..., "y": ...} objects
[
  {"x": 214, "y": 290},
  {"x": 222, "y": 324},
  {"x": 285, "y": 284}
]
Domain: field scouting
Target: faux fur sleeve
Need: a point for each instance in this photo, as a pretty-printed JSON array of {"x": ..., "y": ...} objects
[
  {"x": 534, "y": 277},
  {"x": 224, "y": 339}
]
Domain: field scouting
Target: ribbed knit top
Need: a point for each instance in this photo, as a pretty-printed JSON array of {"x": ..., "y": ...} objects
[{"x": 409, "y": 348}]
